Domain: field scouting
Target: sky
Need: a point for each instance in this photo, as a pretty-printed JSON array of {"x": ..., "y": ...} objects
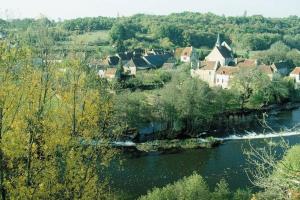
[{"x": 67, "y": 9}]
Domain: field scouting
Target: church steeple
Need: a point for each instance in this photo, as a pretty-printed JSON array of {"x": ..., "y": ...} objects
[{"x": 218, "y": 43}]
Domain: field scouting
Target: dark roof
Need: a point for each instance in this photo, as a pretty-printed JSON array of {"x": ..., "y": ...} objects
[
  {"x": 139, "y": 63},
  {"x": 156, "y": 60},
  {"x": 138, "y": 51},
  {"x": 137, "y": 55},
  {"x": 125, "y": 56},
  {"x": 113, "y": 60},
  {"x": 280, "y": 65},
  {"x": 158, "y": 51},
  {"x": 226, "y": 53}
]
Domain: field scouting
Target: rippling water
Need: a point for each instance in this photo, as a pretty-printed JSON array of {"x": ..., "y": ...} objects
[{"x": 140, "y": 174}]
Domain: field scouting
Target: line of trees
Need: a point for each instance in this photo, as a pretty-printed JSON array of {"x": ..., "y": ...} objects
[{"x": 56, "y": 121}]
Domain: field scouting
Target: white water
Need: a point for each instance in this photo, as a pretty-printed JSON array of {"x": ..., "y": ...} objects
[
  {"x": 248, "y": 136},
  {"x": 253, "y": 135},
  {"x": 124, "y": 144}
]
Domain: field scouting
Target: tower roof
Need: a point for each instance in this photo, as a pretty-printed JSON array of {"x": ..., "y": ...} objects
[{"x": 218, "y": 43}]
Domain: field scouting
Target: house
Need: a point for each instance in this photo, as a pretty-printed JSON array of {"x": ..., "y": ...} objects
[
  {"x": 111, "y": 73},
  {"x": 138, "y": 51},
  {"x": 282, "y": 68},
  {"x": 177, "y": 53},
  {"x": 155, "y": 52},
  {"x": 295, "y": 74},
  {"x": 129, "y": 69},
  {"x": 156, "y": 60},
  {"x": 268, "y": 70},
  {"x": 97, "y": 64},
  {"x": 111, "y": 61},
  {"x": 224, "y": 76},
  {"x": 188, "y": 55},
  {"x": 101, "y": 73},
  {"x": 125, "y": 56},
  {"x": 221, "y": 53},
  {"x": 206, "y": 71},
  {"x": 138, "y": 64}
]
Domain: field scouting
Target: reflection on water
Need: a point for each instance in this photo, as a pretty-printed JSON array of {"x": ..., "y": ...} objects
[{"x": 138, "y": 175}]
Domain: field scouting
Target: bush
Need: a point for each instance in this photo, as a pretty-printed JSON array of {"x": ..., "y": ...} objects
[{"x": 193, "y": 187}]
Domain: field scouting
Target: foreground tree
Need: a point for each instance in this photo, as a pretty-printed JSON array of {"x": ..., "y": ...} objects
[{"x": 278, "y": 179}]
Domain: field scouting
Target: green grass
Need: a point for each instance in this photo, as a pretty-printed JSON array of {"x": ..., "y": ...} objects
[{"x": 166, "y": 145}]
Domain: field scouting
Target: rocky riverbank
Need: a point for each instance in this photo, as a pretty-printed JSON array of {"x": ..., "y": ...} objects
[{"x": 171, "y": 146}]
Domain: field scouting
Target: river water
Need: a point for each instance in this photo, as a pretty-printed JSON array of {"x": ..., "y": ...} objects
[{"x": 139, "y": 174}]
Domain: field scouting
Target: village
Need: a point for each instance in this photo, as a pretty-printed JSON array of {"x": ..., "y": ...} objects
[{"x": 217, "y": 69}]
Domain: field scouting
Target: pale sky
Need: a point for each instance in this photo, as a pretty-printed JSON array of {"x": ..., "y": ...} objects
[{"x": 66, "y": 9}]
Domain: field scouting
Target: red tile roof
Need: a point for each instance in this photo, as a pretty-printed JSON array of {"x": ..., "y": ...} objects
[
  {"x": 296, "y": 71},
  {"x": 111, "y": 71},
  {"x": 227, "y": 70},
  {"x": 187, "y": 51},
  {"x": 247, "y": 63},
  {"x": 207, "y": 65},
  {"x": 266, "y": 69},
  {"x": 178, "y": 52}
]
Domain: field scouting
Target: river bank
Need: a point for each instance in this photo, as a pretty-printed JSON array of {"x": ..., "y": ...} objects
[{"x": 238, "y": 120}]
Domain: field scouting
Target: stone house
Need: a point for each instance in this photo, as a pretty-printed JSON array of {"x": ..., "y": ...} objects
[{"x": 206, "y": 72}]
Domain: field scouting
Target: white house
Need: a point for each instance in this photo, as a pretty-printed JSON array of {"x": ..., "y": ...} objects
[
  {"x": 224, "y": 76},
  {"x": 295, "y": 74},
  {"x": 221, "y": 53}
]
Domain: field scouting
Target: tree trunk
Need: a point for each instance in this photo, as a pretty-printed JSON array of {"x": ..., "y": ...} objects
[
  {"x": 74, "y": 112},
  {"x": 29, "y": 160},
  {"x": 2, "y": 167}
]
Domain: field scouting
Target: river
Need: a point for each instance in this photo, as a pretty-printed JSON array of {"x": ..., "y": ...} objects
[{"x": 140, "y": 174}]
